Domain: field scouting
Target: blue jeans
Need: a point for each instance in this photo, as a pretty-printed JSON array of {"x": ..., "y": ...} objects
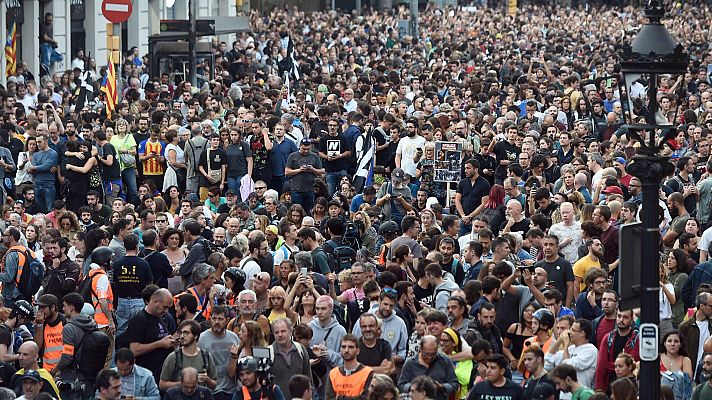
[
  {"x": 45, "y": 194},
  {"x": 126, "y": 308},
  {"x": 129, "y": 177},
  {"x": 234, "y": 184},
  {"x": 332, "y": 180},
  {"x": 465, "y": 229},
  {"x": 277, "y": 183},
  {"x": 306, "y": 199},
  {"x": 49, "y": 55}
]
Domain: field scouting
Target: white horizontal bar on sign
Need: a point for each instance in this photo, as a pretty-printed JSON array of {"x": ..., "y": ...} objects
[{"x": 117, "y": 7}]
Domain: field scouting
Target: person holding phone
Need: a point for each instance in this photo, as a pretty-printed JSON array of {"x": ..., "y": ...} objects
[
  {"x": 395, "y": 197},
  {"x": 303, "y": 167}
]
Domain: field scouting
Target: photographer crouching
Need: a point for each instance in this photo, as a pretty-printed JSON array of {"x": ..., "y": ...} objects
[{"x": 256, "y": 382}]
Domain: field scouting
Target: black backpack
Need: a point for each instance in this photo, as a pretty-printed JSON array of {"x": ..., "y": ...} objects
[
  {"x": 94, "y": 346},
  {"x": 85, "y": 288},
  {"x": 29, "y": 274},
  {"x": 341, "y": 257},
  {"x": 179, "y": 361},
  {"x": 352, "y": 236}
]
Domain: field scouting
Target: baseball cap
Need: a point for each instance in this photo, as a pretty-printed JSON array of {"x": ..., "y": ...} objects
[
  {"x": 620, "y": 160},
  {"x": 31, "y": 374},
  {"x": 398, "y": 175},
  {"x": 306, "y": 142},
  {"x": 47, "y": 300},
  {"x": 230, "y": 192},
  {"x": 334, "y": 202},
  {"x": 543, "y": 391},
  {"x": 613, "y": 190}
]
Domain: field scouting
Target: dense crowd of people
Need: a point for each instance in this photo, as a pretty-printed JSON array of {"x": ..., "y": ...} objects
[{"x": 253, "y": 238}]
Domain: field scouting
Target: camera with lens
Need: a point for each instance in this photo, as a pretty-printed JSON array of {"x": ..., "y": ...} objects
[{"x": 260, "y": 363}]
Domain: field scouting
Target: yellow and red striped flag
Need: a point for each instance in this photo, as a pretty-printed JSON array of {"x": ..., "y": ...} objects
[
  {"x": 11, "y": 51},
  {"x": 109, "y": 87}
]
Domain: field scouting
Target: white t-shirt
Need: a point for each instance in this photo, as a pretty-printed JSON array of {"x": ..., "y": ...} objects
[
  {"x": 407, "y": 147},
  {"x": 704, "y": 334},
  {"x": 251, "y": 269},
  {"x": 665, "y": 306}
]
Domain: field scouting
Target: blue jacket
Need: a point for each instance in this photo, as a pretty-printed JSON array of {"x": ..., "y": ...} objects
[
  {"x": 584, "y": 309},
  {"x": 701, "y": 274},
  {"x": 144, "y": 385},
  {"x": 7, "y": 276},
  {"x": 43, "y": 162}
]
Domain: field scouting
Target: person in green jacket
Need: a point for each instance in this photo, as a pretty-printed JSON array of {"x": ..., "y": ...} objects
[
  {"x": 565, "y": 377},
  {"x": 704, "y": 389}
]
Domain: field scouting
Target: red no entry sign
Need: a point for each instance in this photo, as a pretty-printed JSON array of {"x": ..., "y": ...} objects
[{"x": 116, "y": 11}]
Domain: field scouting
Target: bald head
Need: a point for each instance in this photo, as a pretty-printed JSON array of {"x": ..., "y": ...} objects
[
  {"x": 514, "y": 208},
  {"x": 28, "y": 355},
  {"x": 189, "y": 375}
]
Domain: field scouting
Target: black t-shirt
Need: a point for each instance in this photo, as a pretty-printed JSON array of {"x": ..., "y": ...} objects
[
  {"x": 471, "y": 195},
  {"x": 373, "y": 357},
  {"x": 485, "y": 390},
  {"x": 532, "y": 383},
  {"x": 113, "y": 171},
  {"x": 330, "y": 145},
  {"x": 160, "y": 267},
  {"x": 521, "y": 226},
  {"x": 559, "y": 271},
  {"x": 131, "y": 275},
  {"x": 6, "y": 336},
  {"x": 504, "y": 151},
  {"x": 75, "y": 177},
  {"x": 424, "y": 295},
  {"x": 145, "y": 328},
  {"x": 237, "y": 155},
  {"x": 218, "y": 158}
]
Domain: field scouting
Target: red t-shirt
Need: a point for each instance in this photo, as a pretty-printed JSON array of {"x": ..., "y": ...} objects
[{"x": 604, "y": 327}]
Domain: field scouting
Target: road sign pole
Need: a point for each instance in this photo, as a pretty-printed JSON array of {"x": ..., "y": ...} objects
[{"x": 192, "y": 39}]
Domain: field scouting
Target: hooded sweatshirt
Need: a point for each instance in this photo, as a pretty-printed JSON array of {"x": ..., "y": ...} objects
[
  {"x": 72, "y": 334},
  {"x": 442, "y": 294},
  {"x": 333, "y": 332},
  {"x": 393, "y": 331}
]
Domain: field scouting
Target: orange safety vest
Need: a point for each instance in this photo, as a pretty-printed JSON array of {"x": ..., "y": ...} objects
[
  {"x": 353, "y": 385},
  {"x": 208, "y": 307},
  {"x": 53, "y": 345},
  {"x": 20, "y": 260},
  {"x": 99, "y": 316},
  {"x": 246, "y": 394}
]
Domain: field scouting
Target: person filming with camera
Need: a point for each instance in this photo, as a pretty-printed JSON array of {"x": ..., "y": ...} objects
[{"x": 255, "y": 382}]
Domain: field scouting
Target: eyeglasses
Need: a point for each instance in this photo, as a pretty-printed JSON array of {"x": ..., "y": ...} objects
[
  {"x": 185, "y": 333},
  {"x": 162, "y": 221},
  {"x": 268, "y": 203},
  {"x": 260, "y": 188},
  {"x": 389, "y": 291},
  {"x": 599, "y": 282}
]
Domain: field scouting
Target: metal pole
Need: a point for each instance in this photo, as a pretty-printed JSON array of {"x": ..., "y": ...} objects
[
  {"x": 649, "y": 168},
  {"x": 414, "y": 18},
  {"x": 192, "y": 38}
]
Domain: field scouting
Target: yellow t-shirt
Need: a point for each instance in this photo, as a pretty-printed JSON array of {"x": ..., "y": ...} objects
[{"x": 582, "y": 266}]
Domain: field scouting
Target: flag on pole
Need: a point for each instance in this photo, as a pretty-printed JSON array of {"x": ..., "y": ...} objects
[
  {"x": 11, "y": 50},
  {"x": 86, "y": 92},
  {"x": 108, "y": 86},
  {"x": 292, "y": 66}
]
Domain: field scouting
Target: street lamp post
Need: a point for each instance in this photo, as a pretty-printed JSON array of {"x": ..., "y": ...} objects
[{"x": 652, "y": 53}]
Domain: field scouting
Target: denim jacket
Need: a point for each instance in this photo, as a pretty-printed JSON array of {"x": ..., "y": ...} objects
[{"x": 145, "y": 387}]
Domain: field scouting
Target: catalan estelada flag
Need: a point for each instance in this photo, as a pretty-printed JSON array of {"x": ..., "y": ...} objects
[
  {"x": 11, "y": 50},
  {"x": 109, "y": 87}
]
